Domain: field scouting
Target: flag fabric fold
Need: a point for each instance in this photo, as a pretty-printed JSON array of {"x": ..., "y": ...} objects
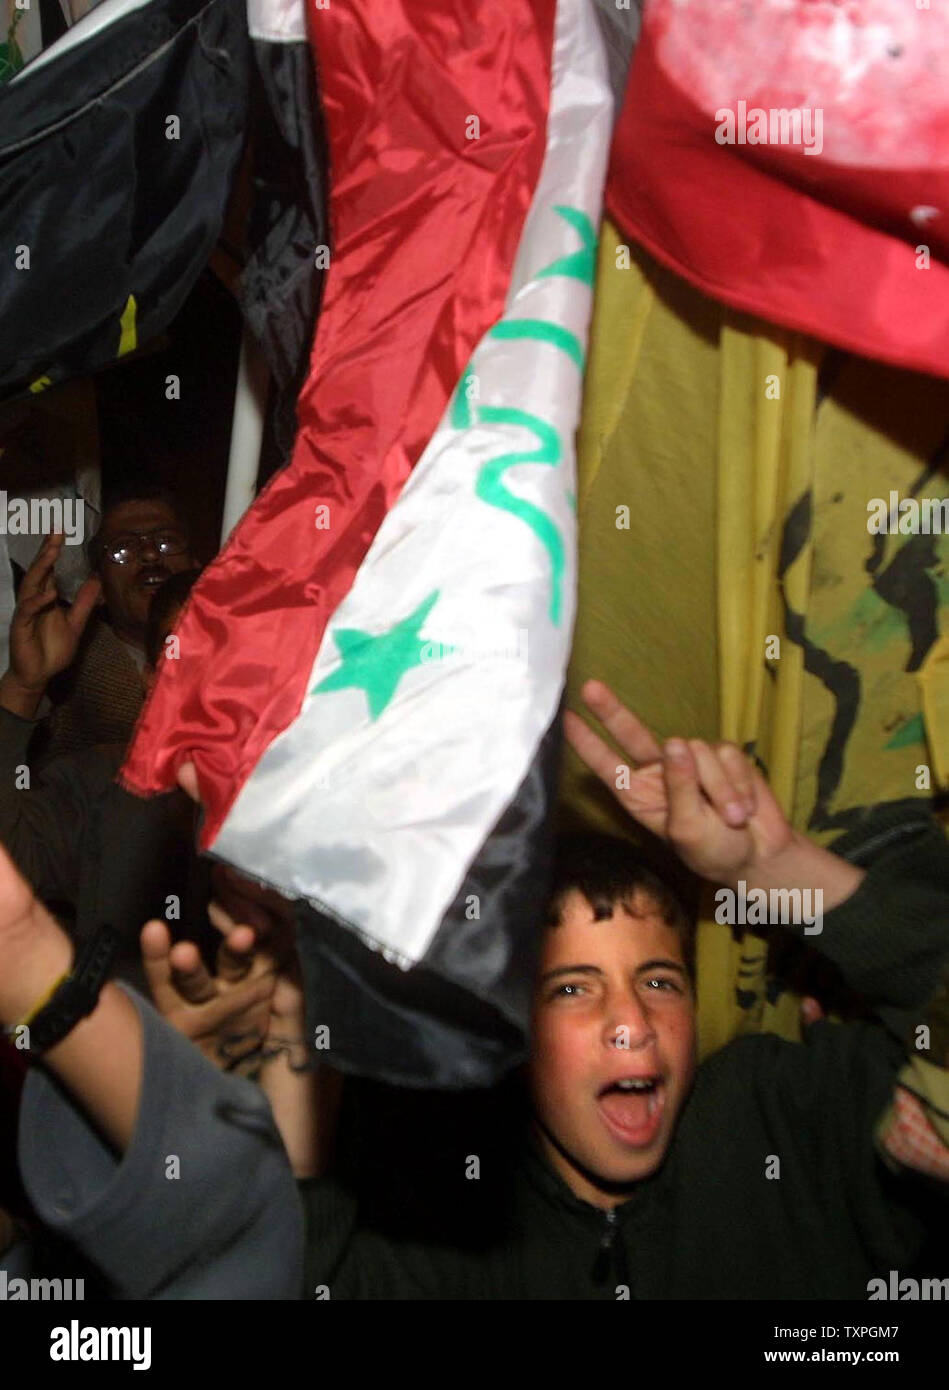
[
  {"x": 287, "y": 234},
  {"x": 791, "y": 159},
  {"x": 117, "y": 150},
  {"x": 370, "y": 674}
]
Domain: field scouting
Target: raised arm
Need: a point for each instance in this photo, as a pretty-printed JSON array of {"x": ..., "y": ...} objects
[
  {"x": 120, "y": 1107},
  {"x": 710, "y": 803},
  {"x": 885, "y": 925},
  {"x": 100, "y": 1060}
]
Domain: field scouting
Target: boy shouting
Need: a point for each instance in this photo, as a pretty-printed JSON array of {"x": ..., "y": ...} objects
[{"x": 773, "y": 1170}]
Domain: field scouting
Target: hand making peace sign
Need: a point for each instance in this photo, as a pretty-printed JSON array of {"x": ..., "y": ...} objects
[{"x": 709, "y": 802}]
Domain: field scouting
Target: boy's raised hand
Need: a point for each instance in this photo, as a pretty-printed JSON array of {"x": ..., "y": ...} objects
[
  {"x": 249, "y": 1008},
  {"x": 226, "y": 1015},
  {"x": 303, "y": 1099},
  {"x": 709, "y": 802}
]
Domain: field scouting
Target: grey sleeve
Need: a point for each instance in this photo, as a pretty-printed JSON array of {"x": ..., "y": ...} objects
[{"x": 203, "y": 1204}]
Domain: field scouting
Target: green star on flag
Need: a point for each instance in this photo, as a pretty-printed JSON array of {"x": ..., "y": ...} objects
[{"x": 376, "y": 663}]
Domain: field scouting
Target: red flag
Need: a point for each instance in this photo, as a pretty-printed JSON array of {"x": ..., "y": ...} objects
[{"x": 847, "y": 240}]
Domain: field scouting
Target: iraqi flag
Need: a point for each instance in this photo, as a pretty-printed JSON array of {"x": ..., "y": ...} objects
[{"x": 370, "y": 674}]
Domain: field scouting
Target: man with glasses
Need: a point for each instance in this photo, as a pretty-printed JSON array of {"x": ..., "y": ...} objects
[
  {"x": 140, "y": 544},
  {"x": 93, "y": 672},
  {"x": 92, "y": 851}
]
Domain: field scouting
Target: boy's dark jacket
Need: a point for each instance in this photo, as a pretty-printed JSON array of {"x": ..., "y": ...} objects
[{"x": 772, "y": 1188}]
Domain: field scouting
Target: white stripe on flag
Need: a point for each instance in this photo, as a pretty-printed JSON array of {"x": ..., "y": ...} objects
[
  {"x": 277, "y": 21},
  {"x": 376, "y": 800}
]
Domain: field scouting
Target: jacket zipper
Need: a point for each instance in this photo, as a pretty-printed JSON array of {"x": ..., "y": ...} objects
[{"x": 604, "y": 1255}]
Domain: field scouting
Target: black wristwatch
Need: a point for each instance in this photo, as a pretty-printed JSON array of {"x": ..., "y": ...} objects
[{"x": 78, "y": 994}]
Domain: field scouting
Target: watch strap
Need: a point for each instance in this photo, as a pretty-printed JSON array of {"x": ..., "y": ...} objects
[{"x": 77, "y": 994}]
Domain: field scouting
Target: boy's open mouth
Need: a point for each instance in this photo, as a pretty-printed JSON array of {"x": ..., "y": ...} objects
[{"x": 632, "y": 1108}]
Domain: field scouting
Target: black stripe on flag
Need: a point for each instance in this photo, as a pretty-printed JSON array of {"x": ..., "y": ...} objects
[{"x": 460, "y": 1018}]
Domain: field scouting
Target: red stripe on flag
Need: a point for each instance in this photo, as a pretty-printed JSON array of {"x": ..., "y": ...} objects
[{"x": 427, "y": 210}]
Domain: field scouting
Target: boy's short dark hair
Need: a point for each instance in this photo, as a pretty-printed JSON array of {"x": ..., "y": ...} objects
[{"x": 608, "y": 871}]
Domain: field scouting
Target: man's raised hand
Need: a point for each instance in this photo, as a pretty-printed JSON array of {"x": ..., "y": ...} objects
[{"x": 44, "y": 633}]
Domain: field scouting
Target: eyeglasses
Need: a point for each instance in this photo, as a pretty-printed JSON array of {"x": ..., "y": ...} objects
[{"x": 127, "y": 548}]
